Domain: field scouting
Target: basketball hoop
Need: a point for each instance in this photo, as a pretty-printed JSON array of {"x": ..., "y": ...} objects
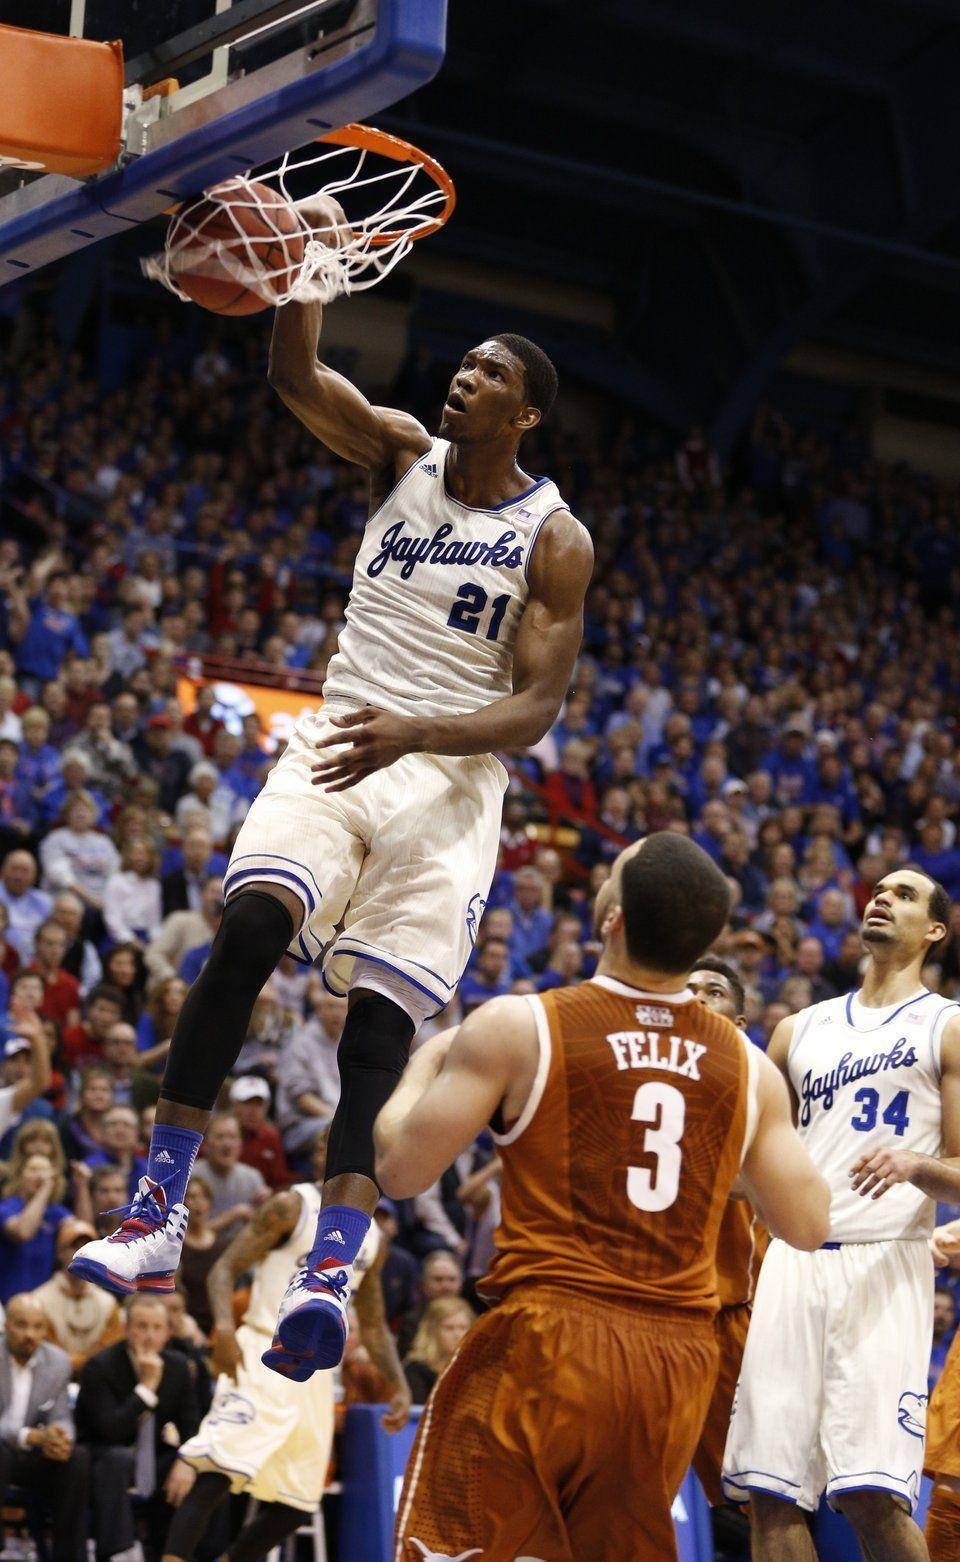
[{"x": 360, "y": 161}]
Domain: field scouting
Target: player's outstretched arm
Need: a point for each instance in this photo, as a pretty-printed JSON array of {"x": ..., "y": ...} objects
[
  {"x": 381, "y": 439},
  {"x": 546, "y": 648},
  {"x": 273, "y": 1222},
  {"x": 778, "y": 1175},
  {"x": 450, "y": 1089},
  {"x": 937, "y": 1177}
]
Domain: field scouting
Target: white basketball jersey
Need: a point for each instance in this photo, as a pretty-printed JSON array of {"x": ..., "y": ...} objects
[
  {"x": 272, "y": 1275},
  {"x": 438, "y": 590},
  {"x": 868, "y": 1079}
]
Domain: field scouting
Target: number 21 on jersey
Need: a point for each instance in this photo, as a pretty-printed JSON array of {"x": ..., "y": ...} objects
[
  {"x": 663, "y": 1108},
  {"x": 469, "y": 606}
]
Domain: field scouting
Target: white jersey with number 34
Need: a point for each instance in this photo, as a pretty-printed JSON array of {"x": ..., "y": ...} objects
[
  {"x": 867, "y": 1079},
  {"x": 438, "y": 591}
]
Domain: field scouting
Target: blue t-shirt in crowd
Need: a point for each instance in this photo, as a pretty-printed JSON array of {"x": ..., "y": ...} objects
[
  {"x": 193, "y": 962},
  {"x": 25, "y": 1265},
  {"x": 830, "y": 937},
  {"x": 33, "y": 1109},
  {"x": 531, "y": 931},
  {"x": 50, "y": 635},
  {"x": 943, "y": 866},
  {"x": 473, "y": 992}
]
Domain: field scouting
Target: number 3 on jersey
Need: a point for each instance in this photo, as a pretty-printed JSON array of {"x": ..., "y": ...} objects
[
  {"x": 664, "y": 1109},
  {"x": 469, "y": 606}
]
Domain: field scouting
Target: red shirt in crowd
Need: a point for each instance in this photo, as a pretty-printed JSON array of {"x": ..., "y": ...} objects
[
  {"x": 263, "y": 1149},
  {"x": 204, "y": 729},
  {"x": 79, "y": 1047},
  {"x": 61, "y": 994},
  {"x": 568, "y": 796},
  {"x": 9, "y": 960}
]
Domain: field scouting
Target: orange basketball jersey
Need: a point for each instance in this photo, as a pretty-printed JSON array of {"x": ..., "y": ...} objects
[{"x": 617, "y": 1172}]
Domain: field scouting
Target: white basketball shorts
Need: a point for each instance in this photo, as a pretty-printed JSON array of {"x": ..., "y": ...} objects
[
  {"x": 272, "y": 1437},
  {"x": 398, "y": 866},
  {"x": 833, "y": 1387}
]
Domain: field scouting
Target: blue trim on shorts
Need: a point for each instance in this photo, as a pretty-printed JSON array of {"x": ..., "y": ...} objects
[
  {"x": 734, "y": 1480},
  {"x": 831, "y": 1247},
  {"x": 895, "y": 1488},
  {"x": 376, "y": 959},
  {"x": 450, "y": 986},
  {"x": 276, "y": 857}
]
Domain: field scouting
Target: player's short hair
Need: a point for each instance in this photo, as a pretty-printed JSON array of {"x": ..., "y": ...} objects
[
  {"x": 939, "y": 902},
  {"x": 539, "y": 373},
  {"x": 675, "y": 902},
  {"x": 720, "y": 968}
]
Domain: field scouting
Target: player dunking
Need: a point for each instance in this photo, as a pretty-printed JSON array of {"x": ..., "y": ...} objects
[
  {"x": 624, "y": 1108},
  {"x": 740, "y": 1247},
  {"x": 383, "y": 814},
  {"x": 833, "y": 1389}
]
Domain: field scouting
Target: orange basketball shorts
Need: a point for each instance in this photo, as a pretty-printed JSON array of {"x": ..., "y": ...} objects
[
  {"x": 732, "y": 1324},
  {"x": 942, "y": 1453},
  {"x": 560, "y": 1432}
]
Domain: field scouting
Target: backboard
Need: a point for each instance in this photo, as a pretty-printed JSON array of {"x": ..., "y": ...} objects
[{"x": 239, "y": 82}]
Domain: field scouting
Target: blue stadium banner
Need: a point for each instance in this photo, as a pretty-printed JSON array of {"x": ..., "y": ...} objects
[{"x": 372, "y": 1463}]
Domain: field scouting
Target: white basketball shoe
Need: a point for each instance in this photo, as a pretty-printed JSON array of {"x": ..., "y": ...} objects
[{"x": 144, "y": 1252}]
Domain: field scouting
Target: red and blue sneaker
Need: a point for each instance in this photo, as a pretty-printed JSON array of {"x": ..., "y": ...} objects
[
  {"x": 144, "y": 1252},
  {"x": 312, "y": 1323}
]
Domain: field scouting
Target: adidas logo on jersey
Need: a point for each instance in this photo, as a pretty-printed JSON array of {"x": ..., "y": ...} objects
[
  {"x": 165, "y": 1157},
  {"x": 429, "y": 467}
]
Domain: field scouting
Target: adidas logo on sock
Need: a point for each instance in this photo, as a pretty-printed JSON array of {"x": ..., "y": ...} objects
[
  {"x": 336, "y": 1236},
  {"x": 164, "y": 1155}
]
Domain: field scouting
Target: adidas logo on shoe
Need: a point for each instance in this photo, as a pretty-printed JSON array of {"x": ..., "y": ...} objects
[{"x": 166, "y": 1157}]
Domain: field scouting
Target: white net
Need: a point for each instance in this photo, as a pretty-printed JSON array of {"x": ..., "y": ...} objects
[{"x": 285, "y": 247}]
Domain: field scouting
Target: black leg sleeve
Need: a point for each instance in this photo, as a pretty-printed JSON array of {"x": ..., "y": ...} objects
[
  {"x": 210, "y": 1030},
  {"x": 194, "y": 1513},
  {"x": 372, "y": 1055},
  {"x": 271, "y": 1526}
]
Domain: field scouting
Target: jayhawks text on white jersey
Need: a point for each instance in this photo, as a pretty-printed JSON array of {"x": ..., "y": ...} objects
[
  {"x": 867, "y": 1079},
  {"x": 438, "y": 591}
]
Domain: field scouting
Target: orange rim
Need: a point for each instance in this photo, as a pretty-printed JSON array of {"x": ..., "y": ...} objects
[{"x": 368, "y": 139}]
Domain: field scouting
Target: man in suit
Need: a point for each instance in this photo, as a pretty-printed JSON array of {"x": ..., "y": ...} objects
[
  {"x": 38, "y": 1449},
  {"x": 182, "y": 888},
  {"x": 137, "y": 1403}
]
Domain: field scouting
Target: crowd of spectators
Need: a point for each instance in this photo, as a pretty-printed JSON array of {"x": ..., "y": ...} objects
[{"x": 771, "y": 663}]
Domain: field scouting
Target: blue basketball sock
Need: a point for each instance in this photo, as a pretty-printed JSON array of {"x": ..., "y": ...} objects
[
  {"x": 172, "y": 1154},
  {"x": 340, "y": 1234}
]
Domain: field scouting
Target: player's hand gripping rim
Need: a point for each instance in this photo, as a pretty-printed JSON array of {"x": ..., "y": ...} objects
[
  {"x": 373, "y": 740},
  {"x": 874, "y": 1174}
]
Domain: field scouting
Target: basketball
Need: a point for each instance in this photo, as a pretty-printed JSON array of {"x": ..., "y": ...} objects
[{"x": 262, "y": 231}]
